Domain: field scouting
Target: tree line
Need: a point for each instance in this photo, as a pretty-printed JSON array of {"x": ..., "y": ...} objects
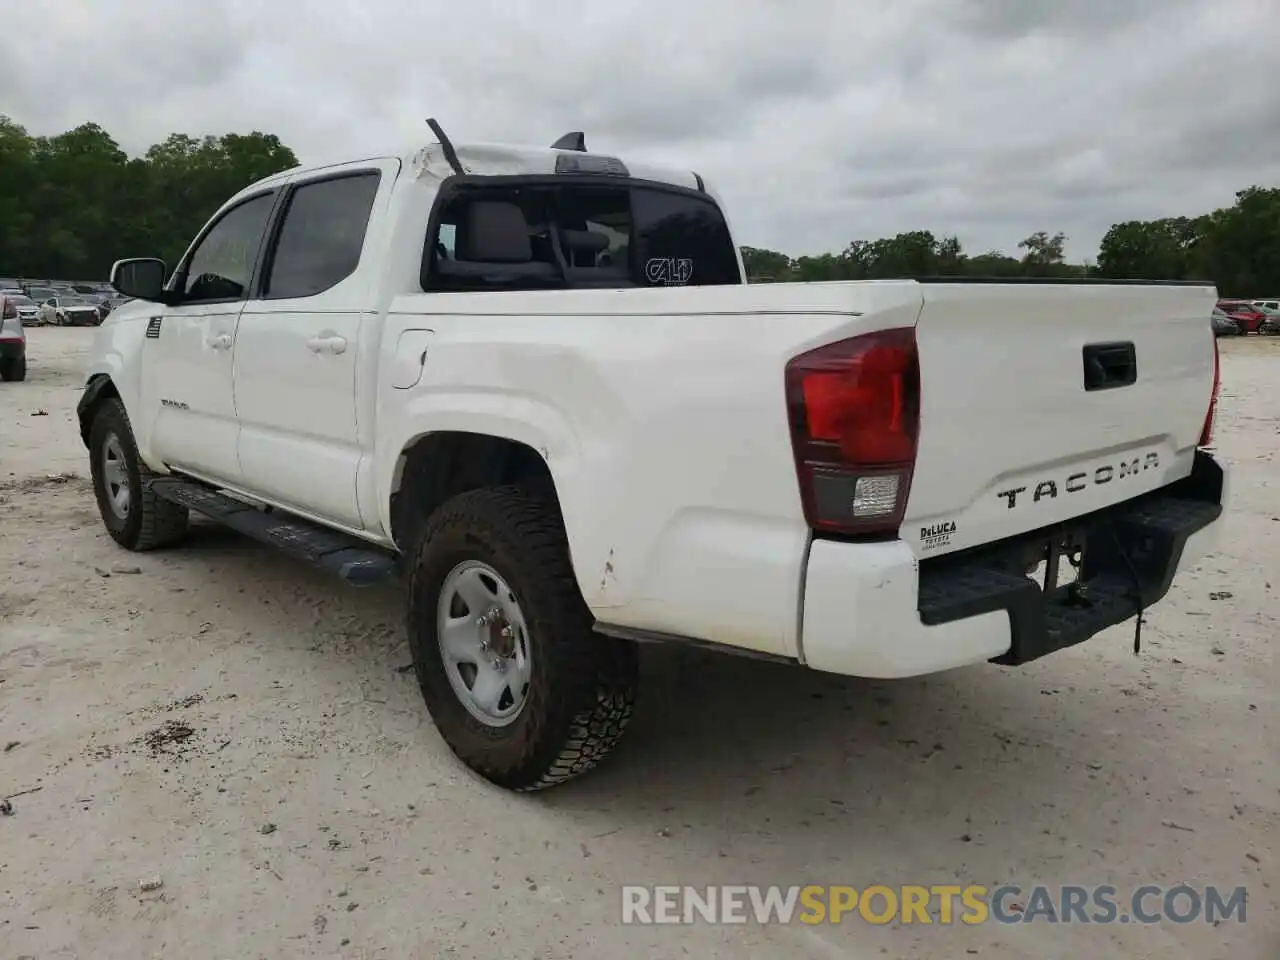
[
  {"x": 1236, "y": 247},
  {"x": 71, "y": 204}
]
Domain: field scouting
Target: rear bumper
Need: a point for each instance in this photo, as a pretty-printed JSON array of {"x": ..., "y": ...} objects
[{"x": 873, "y": 610}]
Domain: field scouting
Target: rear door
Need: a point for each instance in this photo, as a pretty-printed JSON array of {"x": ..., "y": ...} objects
[
  {"x": 186, "y": 385},
  {"x": 299, "y": 342},
  {"x": 1044, "y": 401}
]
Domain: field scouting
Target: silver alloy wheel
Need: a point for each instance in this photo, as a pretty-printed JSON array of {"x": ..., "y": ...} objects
[
  {"x": 484, "y": 643},
  {"x": 115, "y": 476}
]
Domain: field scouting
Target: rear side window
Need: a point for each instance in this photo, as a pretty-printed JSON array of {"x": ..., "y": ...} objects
[
  {"x": 321, "y": 236},
  {"x": 500, "y": 235}
]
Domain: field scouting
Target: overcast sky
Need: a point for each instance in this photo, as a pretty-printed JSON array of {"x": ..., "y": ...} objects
[{"x": 820, "y": 121}]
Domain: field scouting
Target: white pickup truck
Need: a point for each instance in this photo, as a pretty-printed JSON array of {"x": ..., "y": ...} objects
[{"x": 535, "y": 382}]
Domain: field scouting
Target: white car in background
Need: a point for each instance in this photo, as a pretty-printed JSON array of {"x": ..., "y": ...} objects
[{"x": 69, "y": 311}]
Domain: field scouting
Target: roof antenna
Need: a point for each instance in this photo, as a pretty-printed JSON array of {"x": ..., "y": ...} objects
[
  {"x": 572, "y": 141},
  {"x": 446, "y": 144}
]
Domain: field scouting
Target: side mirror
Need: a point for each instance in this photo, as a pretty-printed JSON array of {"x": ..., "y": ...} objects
[{"x": 141, "y": 278}]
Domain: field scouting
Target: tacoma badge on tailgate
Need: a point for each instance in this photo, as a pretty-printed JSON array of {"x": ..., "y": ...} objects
[{"x": 1082, "y": 480}]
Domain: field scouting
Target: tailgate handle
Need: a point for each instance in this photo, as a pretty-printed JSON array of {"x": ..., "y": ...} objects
[{"x": 1109, "y": 365}]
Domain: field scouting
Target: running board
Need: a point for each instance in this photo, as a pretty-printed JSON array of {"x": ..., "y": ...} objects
[{"x": 358, "y": 563}]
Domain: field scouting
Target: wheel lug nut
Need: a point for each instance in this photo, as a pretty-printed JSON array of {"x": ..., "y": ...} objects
[{"x": 506, "y": 632}]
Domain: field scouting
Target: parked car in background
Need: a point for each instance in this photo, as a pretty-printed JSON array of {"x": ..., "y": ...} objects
[
  {"x": 26, "y": 307},
  {"x": 41, "y": 293},
  {"x": 13, "y": 340},
  {"x": 1223, "y": 325},
  {"x": 1243, "y": 313},
  {"x": 70, "y": 311},
  {"x": 1271, "y": 325}
]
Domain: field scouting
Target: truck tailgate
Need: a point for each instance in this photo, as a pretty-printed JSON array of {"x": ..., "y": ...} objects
[{"x": 1044, "y": 401}]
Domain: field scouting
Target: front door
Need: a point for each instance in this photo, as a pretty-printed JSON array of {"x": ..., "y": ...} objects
[
  {"x": 301, "y": 341},
  {"x": 189, "y": 346}
]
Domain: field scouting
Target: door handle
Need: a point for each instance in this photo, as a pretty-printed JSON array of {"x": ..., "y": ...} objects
[
  {"x": 1110, "y": 365},
  {"x": 333, "y": 345},
  {"x": 221, "y": 342}
]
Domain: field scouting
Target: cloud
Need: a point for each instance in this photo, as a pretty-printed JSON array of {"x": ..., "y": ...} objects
[{"x": 820, "y": 122}]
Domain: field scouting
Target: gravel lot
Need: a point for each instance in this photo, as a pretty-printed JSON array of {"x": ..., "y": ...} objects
[{"x": 243, "y": 729}]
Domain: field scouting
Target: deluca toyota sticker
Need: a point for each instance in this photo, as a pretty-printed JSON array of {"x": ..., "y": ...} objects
[{"x": 937, "y": 535}]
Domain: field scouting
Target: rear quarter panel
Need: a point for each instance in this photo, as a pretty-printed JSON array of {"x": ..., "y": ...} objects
[{"x": 661, "y": 416}]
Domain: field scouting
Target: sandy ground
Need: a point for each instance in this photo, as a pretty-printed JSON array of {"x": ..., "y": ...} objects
[{"x": 243, "y": 729}]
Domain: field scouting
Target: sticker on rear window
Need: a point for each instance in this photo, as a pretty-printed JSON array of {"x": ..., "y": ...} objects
[{"x": 669, "y": 271}]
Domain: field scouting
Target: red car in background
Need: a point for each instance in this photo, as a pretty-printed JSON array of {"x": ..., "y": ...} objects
[{"x": 1248, "y": 317}]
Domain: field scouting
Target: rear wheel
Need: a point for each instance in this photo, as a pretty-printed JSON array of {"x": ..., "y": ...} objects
[
  {"x": 134, "y": 516},
  {"x": 15, "y": 368},
  {"x": 518, "y": 684}
]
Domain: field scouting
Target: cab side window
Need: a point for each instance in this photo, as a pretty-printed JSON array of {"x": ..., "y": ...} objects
[
  {"x": 220, "y": 266},
  {"x": 322, "y": 235}
]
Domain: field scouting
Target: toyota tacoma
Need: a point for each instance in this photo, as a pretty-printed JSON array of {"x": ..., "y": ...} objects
[{"x": 535, "y": 383}]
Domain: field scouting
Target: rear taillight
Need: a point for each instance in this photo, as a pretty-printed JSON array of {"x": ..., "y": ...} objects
[
  {"x": 854, "y": 408},
  {"x": 1206, "y": 434},
  {"x": 10, "y": 311}
]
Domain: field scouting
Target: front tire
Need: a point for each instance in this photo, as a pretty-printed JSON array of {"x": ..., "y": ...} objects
[
  {"x": 518, "y": 684},
  {"x": 135, "y": 517}
]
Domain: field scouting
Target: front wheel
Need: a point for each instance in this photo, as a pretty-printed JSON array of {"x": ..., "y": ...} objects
[
  {"x": 518, "y": 684},
  {"x": 134, "y": 516}
]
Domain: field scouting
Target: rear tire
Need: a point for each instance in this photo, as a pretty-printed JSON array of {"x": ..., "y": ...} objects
[
  {"x": 135, "y": 517},
  {"x": 14, "y": 369},
  {"x": 580, "y": 687}
]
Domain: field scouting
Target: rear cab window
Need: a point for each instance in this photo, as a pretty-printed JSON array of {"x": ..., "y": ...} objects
[
  {"x": 322, "y": 235},
  {"x": 531, "y": 233}
]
